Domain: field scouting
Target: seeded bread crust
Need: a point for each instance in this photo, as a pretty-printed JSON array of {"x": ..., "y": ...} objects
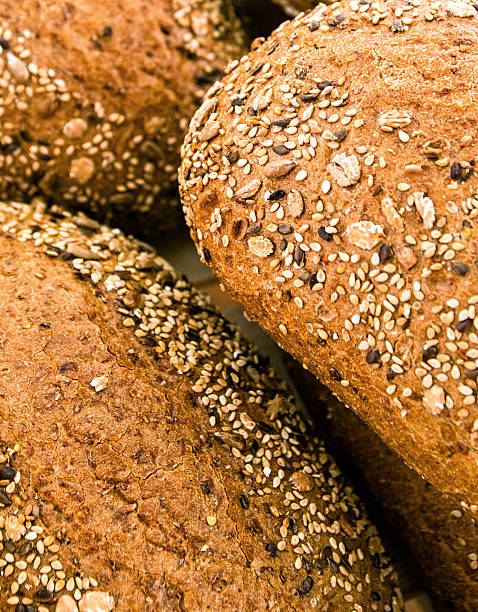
[
  {"x": 170, "y": 459},
  {"x": 440, "y": 538},
  {"x": 96, "y": 97},
  {"x": 329, "y": 181}
]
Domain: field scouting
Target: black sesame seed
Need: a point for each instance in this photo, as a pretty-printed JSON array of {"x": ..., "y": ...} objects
[
  {"x": 384, "y": 253},
  {"x": 293, "y": 525},
  {"x": 43, "y": 595},
  {"x": 244, "y": 501},
  {"x": 429, "y": 353},
  {"x": 464, "y": 326},
  {"x": 308, "y": 97},
  {"x": 205, "y": 488},
  {"x": 283, "y": 244},
  {"x": 307, "y": 585},
  {"x": 277, "y": 194},
  {"x": 372, "y": 356},
  {"x": 459, "y": 172},
  {"x": 334, "y": 568},
  {"x": 376, "y": 560},
  {"x": 271, "y": 548},
  {"x": 237, "y": 102},
  {"x": 254, "y": 229},
  {"x": 299, "y": 255},
  {"x": 254, "y": 446},
  {"x": 285, "y": 228},
  {"x": 335, "y": 375},
  {"x": 459, "y": 268},
  {"x": 286, "y": 296},
  {"x": 340, "y": 135},
  {"x": 314, "y": 26},
  {"x": 107, "y": 31},
  {"x": 391, "y": 375},
  {"x": 323, "y": 234},
  {"x": 324, "y": 84},
  {"x": 7, "y": 473},
  {"x": 25, "y": 548},
  {"x": 280, "y": 150},
  {"x": 281, "y": 122},
  {"x": 251, "y": 112},
  {"x": 25, "y": 135},
  {"x": 207, "y": 255},
  {"x": 4, "y": 44},
  {"x": 473, "y": 374},
  {"x": 375, "y": 596}
]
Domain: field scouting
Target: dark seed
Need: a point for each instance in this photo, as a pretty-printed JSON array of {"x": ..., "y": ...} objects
[
  {"x": 280, "y": 150},
  {"x": 314, "y": 26},
  {"x": 207, "y": 255},
  {"x": 254, "y": 229},
  {"x": 308, "y": 97},
  {"x": 271, "y": 548},
  {"x": 324, "y": 84},
  {"x": 335, "y": 375},
  {"x": 340, "y": 135},
  {"x": 7, "y": 473},
  {"x": 430, "y": 353},
  {"x": 4, "y": 499},
  {"x": 237, "y": 102},
  {"x": 464, "y": 326},
  {"x": 286, "y": 296},
  {"x": 459, "y": 172},
  {"x": 323, "y": 234},
  {"x": 276, "y": 195},
  {"x": 334, "y": 568},
  {"x": 4, "y": 44},
  {"x": 459, "y": 267},
  {"x": 375, "y": 596},
  {"x": 299, "y": 256},
  {"x": 391, "y": 375},
  {"x": 285, "y": 228},
  {"x": 205, "y": 488},
  {"x": 376, "y": 560},
  {"x": 107, "y": 31},
  {"x": 283, "y": 244},
  {"x": 473, "y": 374},
  {"x": 43, "y": 595},
  {"x": 281, "y": 122},
  {"x": 244, "y": 501},
  {"x": 372, "y": 356},
  {"x": 307, "y": 585},
  {"x": 384, "y": 253},
  {"x": 25, "y": 548},
  {"x": 293, "y": 525}
]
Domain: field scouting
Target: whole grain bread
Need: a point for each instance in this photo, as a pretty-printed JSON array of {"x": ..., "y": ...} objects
[
  {"x": 159, "y": 455},
  {"x": 440, "y": 539},
  {"x": 337, "y": 201},
  {"x": 96, "y": 97}
]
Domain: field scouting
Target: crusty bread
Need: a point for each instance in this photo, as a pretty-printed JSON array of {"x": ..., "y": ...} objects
[
  {"x": 96, "y": 97},
  {"x": 440, "y": 539},
  {"x": 163, "y": 455},
  {"x": 329, "y": 181}
]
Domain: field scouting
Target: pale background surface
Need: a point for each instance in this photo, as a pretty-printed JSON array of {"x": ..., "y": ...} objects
[{"x": 179, "y": 250}]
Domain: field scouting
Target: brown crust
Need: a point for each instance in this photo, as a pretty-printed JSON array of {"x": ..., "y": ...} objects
[
  {"x": 172, "y": 463},
  {"x": 103, "y": 131},
  {"x": 348, "y": 228},
  {"x": 440, "y": 538}
]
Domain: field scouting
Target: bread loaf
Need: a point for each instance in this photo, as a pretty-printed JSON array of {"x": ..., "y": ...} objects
[
  {"x": 148, "y": 442},
  {"x": 440, "y": 539},
  {"x": 95, "y": 99},
  {"x": 337, "y": 202}
]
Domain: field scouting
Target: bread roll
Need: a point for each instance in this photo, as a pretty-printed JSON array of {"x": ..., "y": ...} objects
[
  {"x": 336, "y": 202},
  {"x": 95, "y": 99},
  {"x": 440, "y": 539},
  {"x": 158, "y": 453}
]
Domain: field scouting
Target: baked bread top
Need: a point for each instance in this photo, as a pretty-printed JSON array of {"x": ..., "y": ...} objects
[
  {"x": 95, "y": 99},
  {"x": 170, "y": 463},
  {"x": 330, "y": 182}
]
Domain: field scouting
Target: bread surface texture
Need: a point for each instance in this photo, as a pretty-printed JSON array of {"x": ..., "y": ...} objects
[
  {"x": 96, "y": 97},
  {"x": 439, "y": 538},
  {"x": 170, "y": 464},
  {"x": 330, "y": 183}
]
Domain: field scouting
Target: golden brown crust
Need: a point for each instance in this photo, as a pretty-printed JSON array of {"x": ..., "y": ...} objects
[
  {"x": 337, "y": 202},
  {"x": 440, "y": 538},
  {"x": 153, "y": 439},
  {"x": 95, "y": 99}
]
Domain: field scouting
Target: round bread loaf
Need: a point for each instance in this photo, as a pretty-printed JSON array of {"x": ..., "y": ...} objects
[
  {"x": 95, "y": 100},
  {"x": 440, "y": 539},
  {"x": 150, "y": 459},
  {"x": 337, "y": 201}
]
